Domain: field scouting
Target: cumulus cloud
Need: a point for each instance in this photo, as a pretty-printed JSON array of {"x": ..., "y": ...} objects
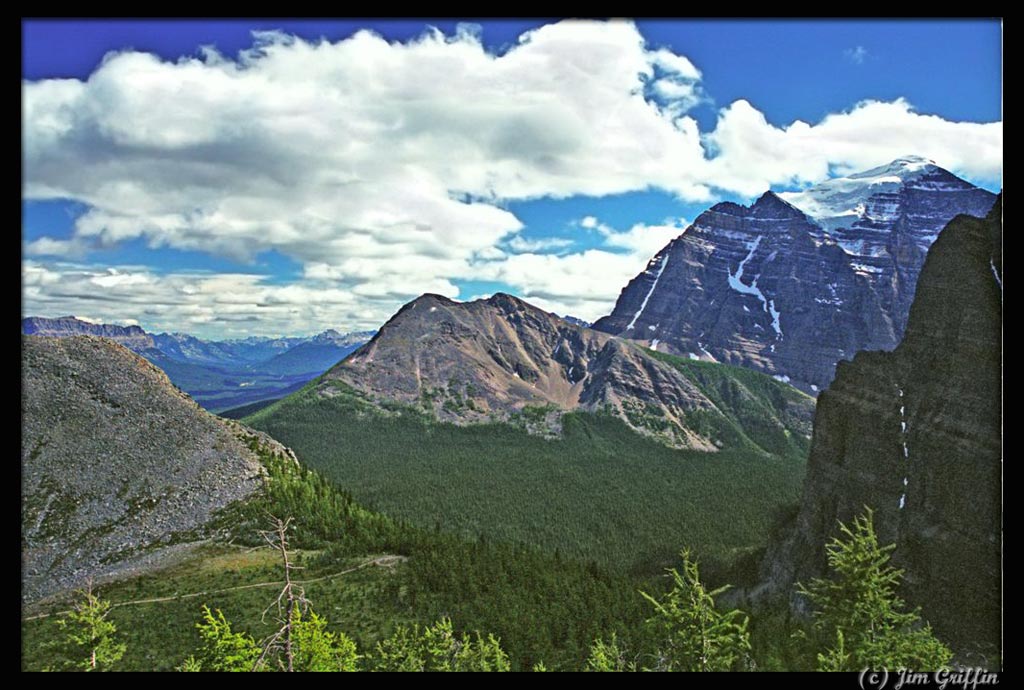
[
  {"x": 376, "y": 165},
  {"x": 48, "y": 246},
  {"x": 585, "y": 283},
  {"x": 383, "y": 167},
  {"x": 753, "y": 155},
  {"x": 207, "y": 304}
]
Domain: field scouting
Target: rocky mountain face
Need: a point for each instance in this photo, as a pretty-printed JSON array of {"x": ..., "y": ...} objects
[
  {"x": 116, "y": 462},
  {"x": 500, "y": 357},
  {"x": 915, "y": 434},
  {"x": 577, "y": 321},
  {"x": 182, "y": 347},
  {"x": 797, "y": 282}
]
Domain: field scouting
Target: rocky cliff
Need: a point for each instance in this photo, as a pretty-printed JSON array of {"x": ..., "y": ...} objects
[
  {"x": 115, "y": 462},
  {"x": 795, "y": 283},
  {"x": 500, "y": 357},
  {"x": 915, "y": 434}
]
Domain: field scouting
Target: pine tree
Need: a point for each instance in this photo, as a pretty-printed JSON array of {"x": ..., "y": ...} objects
[
  {"x": 608, "y": 657},
  {"x": 438, "y": 648},
  {"x": 697, "y": 637},
  {"x": 222, "y": 649},
  {"x": 858, "y": 607},
  {"x": 318, "y": 649},
  {"x": 88, "y": 643}
]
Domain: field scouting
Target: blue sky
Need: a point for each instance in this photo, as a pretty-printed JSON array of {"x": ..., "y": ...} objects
[{"x": 314, "y": 179}]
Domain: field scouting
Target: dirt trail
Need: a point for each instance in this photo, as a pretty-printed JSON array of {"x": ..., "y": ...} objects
[{"x": 383, "y": 562}]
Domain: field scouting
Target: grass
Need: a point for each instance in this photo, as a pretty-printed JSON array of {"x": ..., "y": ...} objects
[{"x": 366, "y": 604}]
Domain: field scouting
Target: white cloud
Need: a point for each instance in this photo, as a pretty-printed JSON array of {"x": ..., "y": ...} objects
[
  {"x": 382, "y": 167},
  {"x": 356, "y": 158},
  {"x": 644, "y": 241},
  {"x": 753, "y": 155},
  {"x": 856, "y": 55},
  {"x": 47, "y": 246},
  {"x": 521, "y": 245},
  {"x": 584, "y": 284},
  {"x": 206, "y": 304},
  {"x": 678, "y": 65}
]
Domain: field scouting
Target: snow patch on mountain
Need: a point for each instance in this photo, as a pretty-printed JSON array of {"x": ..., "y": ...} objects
[
  {"x": 841, "y": 201},
  {"x": 661, "y": 269}
]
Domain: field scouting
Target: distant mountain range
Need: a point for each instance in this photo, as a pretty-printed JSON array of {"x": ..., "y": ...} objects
[
  {"x": 797, "y": 282},
  {"x": 220, "y": 374}
]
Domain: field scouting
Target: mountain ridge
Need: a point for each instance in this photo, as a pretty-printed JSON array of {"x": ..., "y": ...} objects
[
  {"x": 117, "y": 463},
  {"x": 767, "y": 286},
  {"x": 500, "y": 357}
]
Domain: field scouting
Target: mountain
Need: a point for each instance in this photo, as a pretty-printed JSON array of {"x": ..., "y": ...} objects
[
  {"x": 495, "y": 359},
  {"x": 495, "y": 419},
  {"x": 577, "y": 321},
  {"x": 220, "y": 375},
  {"x": 132, "y": 337},
  {"x": 182, "y": 347},
  {"x": 797, "y": 282},
  {"x": 117, "y": 463},
  {"x": 915, "y": 434},
  {"x": 317, "y": 354}
]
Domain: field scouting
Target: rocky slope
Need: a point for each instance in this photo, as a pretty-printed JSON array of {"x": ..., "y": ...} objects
[
  {"x": 915, "y": 434},
  {"x": 795, "y": 283},
  {"x": 115, "y": 462},
  {"x": 501, "y": 357}
]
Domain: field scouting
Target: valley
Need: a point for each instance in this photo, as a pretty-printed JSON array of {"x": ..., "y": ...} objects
[
  {"x": 219, "y": 375},
  {"x": 468, "y": 457}
]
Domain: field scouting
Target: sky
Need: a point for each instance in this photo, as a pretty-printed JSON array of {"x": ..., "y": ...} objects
[{"x": 274, "y": 177}]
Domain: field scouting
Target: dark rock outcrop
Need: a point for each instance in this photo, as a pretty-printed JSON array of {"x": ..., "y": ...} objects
[
  {"x": 115, "y": 462},
  {"x": 791, "y": 293},
  {"x": 915, "y": 435}
]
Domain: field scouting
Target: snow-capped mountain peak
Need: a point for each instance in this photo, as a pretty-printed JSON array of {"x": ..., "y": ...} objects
[
  {"x": 905, "y": 167},
  {"x": 870, "y": 195}
]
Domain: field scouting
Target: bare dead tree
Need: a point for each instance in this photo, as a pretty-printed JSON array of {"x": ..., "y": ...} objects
[{"x": 291, "y": 598}]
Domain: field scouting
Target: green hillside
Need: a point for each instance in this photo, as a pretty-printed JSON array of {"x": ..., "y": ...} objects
[
  {"x": 367, "y": 574},
  {"x": 599, "y": 493}
]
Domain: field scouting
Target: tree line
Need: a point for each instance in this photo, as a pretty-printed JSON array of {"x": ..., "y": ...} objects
[{"x": 859, "y": 622}]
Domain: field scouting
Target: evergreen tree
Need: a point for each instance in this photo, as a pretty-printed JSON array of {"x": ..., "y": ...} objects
[
  {"x": 438, "y": 648},
  {"x": 608, "y": 657},
  {"x": 318, "y": 649},
  {"x": 696, "y": 636},
  {"x": 222, "y": 649},
  {"x": 858, "y": 607},
  {"x": 88, "y": 642}
]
